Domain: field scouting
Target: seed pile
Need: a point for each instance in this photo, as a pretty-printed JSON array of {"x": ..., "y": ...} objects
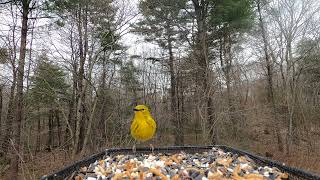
[{"x": 214, "y": 164}]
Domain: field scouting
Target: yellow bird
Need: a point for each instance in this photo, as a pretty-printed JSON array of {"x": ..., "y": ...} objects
[{"x": 143, "y": 126}]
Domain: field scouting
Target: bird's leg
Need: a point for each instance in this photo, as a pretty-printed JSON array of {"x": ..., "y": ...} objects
[
  {"x": 134, "y": 149},
  {"x": 151, "y": 147}
]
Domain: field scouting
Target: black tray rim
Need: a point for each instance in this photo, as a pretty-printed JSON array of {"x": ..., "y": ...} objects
[{"x": 68, "y": 170}]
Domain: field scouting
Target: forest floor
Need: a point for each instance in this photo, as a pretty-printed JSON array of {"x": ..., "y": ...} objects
[{"x": 47, "y": 162}]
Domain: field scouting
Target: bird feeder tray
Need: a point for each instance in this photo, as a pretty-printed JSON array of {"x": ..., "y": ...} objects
[{"x": 71, "y": 171}]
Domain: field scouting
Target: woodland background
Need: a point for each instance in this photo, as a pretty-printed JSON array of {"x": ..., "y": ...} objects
[{"x": 244, "y": 73}]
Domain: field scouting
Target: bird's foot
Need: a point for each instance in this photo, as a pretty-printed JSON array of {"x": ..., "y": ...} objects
[{"x": 152, "y": 148}]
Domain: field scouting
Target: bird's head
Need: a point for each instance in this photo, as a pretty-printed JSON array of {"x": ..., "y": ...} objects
[{"x": 141, "y": 108}]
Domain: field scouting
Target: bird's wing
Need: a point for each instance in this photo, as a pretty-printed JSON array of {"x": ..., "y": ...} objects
[
  {"x": 150, "y": 121},
  {"x": 134, "y": 125}
]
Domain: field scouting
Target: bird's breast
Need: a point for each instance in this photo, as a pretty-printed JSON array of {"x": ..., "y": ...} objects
[{"x": 142, "y": 130}]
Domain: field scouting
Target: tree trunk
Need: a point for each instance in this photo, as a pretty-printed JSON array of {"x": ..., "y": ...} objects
[
  {"x": 103, "y": 107},
  {"x": 226, "y": 64},
  {"x": 79, "y": 87},
  {"x": 228, "y": 68},
  {"x": 50, "y": 130},
  {"x": 87, "y": 133},
  {"x": 213, "y": 128},
  {"x": 1, "y": 87},
  {"x": 84, "y": 116},
  {"x": 270, "y": 80},
  {"x": 38, "y": 143},
  {"x": 178, "y": 129},
  {"x": 291, "y": 93},
  {"x": 9, "y": 119},
  {"x": 19, "y": 103},
  {"x": 80, "y": 124},
  {"x": 66, "y": 135},
  {"x": 57, "y": 117},
  {"x": 201, "y": 54},
  {"x": 72, "y": 106},
  {"x": 88, "y": 116}
]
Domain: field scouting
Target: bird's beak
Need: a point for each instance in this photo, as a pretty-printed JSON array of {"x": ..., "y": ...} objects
[{"x": 136, "y": 109}]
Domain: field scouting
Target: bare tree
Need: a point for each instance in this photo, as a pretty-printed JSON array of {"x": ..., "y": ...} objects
[
  {"x": 269, "y": 67},
  {"x": 19, "y": 97},
  {"x": 292, "y": 22},
  {"x": 12, "y": 47},
  {"x": 201, "y": 53}
]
